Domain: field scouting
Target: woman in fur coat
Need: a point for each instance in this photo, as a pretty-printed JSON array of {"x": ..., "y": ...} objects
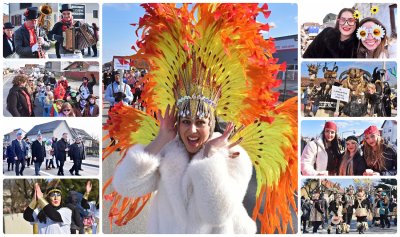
[
  {"x": 199, "y": 177},
  {"x": 338, "y": 42}
]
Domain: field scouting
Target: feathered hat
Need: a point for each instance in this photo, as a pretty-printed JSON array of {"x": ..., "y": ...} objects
[{"x": 211, "y": 59}]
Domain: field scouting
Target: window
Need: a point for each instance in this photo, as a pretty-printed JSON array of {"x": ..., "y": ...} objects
[{"x": 95, "y": 13}]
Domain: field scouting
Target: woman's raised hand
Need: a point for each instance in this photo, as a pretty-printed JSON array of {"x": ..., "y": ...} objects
[
  {"x": 38, "y": 191},
  {"x": 221, "y": 142},
  {"x": 88, "y": 186},
  {"x": 168, "y": 128}
]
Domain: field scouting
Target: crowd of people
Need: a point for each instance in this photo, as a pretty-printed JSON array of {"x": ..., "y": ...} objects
[
  {"x": 44, "y": 96},
  {"x": 371, "y": 157},
  {"x": 21, "y": 153},
  {"x": 32, "y": 40},
  {"x": 352, "y": 38},
  {"x": 338, "y": 210},
  {"x": 126, "y": 86},
  {"x": 56, "y": 214}
]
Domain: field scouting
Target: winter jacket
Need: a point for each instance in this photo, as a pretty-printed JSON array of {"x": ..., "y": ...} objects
[
  {"x": 61, "y": 154},
  {"x": 359, "y": 164},
  {"x": 314, "y": 159},
  {"x": 327, "y": 44},
  {"x": 201, "y": 195},
  {"x": 17, "y": 102},
  {"x": 22, "y": 42},
  {"x": 7, "y": 50},
  {"x": 390, "y": 159},
  {"x": 38, "y": 151}
]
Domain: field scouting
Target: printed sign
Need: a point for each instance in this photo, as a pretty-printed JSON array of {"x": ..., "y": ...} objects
[
  {"x": 121, "y": 63},
  {"x": 340, "y": 93},
  {"x": 79, "y": 11}
]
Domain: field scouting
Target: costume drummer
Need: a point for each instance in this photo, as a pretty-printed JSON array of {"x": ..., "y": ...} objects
[{"x": 56, "y": 33}]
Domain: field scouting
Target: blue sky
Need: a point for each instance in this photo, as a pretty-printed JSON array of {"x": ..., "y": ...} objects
[
  {"x": 312, "y": 128},
  {"x": 368, "y": 66},
  {"x": 119, "y": 35}
]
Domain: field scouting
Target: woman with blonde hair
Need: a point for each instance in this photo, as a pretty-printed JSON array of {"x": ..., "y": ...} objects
[
  {"x": 66, "y": 110},
  {"x": 352, "y": 161},
  {"x": 380, "y": 157}
]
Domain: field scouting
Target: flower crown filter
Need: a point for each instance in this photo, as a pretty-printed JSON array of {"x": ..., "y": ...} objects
[
  {"x": 212, "y": 59},
  {"x": 357, "y": 14},
  {"x": 376, "y": 31},
  {"x": 374, "y": 9}
]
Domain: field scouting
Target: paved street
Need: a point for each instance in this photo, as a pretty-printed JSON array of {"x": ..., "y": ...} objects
[
  {"x": 353, "y": 229},
  {"x": 38, "y": 110},
  {"x": 52, "y": 53},
  {"x": 90, "y": 167}
]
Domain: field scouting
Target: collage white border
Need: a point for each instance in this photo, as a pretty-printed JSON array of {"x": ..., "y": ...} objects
[{"x": 8, "y": 120}]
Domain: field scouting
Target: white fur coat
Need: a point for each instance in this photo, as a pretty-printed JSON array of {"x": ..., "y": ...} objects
[{"x": 203, "y": 195}]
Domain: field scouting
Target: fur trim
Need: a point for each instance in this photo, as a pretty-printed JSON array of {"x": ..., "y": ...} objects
[{"x": 137, "y": 174}]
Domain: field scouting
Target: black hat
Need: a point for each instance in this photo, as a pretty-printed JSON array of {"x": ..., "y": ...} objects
[
  {"x": 66, "y": 7},
  {"x": 8, "y": 25},
  {"x": 31, "y": 13},
  {"x": 353, "y": 138},
  {"x": 85, "y": 78}
]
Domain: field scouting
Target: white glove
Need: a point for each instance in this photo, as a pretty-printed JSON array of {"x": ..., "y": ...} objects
[{"x": 35, "y": 47}]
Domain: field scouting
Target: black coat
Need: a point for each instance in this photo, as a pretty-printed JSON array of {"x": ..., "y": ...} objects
[
  {"x": 22, "y": 42},
  {"x": 7, "y": 51},
  {"x": 61, "y": 154},
  {"x": 327, "y": 44},
  {"x": 77, "y": 151},
  {"x": 38, "y": 151},
  {"x": 359, "y": 164},
  {"x": 17, "y": 103}
]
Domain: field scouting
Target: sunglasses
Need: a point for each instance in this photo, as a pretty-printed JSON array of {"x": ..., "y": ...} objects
[
  {"x": 350, "y": 21},
  {"x": 376, "y": 31},
  {"x": 55, "y": 194}
]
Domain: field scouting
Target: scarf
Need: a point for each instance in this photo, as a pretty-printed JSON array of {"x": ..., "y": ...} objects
[
  {"x": 32, "y": 35},
  {"x": 28, "y": 100},
  {"x": 66, "y": 24}
]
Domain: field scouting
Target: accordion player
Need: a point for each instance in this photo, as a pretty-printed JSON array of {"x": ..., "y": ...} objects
[{"x": 78, "y": 38}]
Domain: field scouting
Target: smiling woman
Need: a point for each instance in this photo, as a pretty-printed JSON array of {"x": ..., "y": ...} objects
[
  {"x": 338, "y": 42},
  {"x": 373, "y": 39}
]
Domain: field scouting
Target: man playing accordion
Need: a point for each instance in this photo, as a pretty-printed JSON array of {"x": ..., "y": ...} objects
[
  {"x": 30, "y": 40},
  {"x": 71, "y": 36}
]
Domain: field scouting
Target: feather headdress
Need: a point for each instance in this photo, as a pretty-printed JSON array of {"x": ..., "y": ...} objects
[{"x": 208, "y": 59}]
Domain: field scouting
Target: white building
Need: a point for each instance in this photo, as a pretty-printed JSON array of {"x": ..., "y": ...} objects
[
  {"x": 389, "y": 132},
  {"x": 87, "y": 13}
]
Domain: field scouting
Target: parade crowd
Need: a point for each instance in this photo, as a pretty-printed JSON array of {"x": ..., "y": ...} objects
[
  {"x": 41, "y": 95},
  {"x": 125, "y": 86},
  {"x": 372, "y": 157},
  {"x": 53, "y": 152},
  {"x": 340, "y": 210}
]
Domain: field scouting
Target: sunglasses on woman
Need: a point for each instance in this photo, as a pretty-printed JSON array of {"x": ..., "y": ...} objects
[{"x": 55, "y": 194}]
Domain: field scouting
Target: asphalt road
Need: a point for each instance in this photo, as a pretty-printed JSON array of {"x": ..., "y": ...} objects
[{"x": 90, "y": 167}]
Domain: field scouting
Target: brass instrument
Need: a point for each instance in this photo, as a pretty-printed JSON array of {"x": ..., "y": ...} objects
[
  {"x": 45, "y": 10},
  {"x": 40, "y": 52}
]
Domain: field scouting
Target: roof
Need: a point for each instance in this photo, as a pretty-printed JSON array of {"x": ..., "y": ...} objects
[
  {"x": 286, "y": 37},
  {"x": 82, "y": 133},
  {"x": 48, "y": 127},
  {"x": 394, "y": 121}
]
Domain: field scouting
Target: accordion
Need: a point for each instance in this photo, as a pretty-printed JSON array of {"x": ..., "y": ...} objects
[{"x": 77, "y": 38}]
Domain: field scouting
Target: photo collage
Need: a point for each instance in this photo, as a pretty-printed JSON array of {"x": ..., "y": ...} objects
[{"x": 132, "y": 117}]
